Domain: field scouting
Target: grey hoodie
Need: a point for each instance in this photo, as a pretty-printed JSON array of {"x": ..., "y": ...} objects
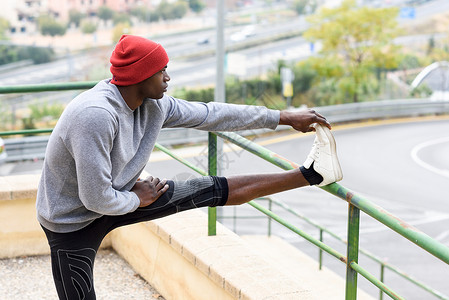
[{"x": 100, "y": 146}]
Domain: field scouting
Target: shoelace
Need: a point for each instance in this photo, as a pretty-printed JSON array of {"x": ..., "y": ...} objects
[{"x": 315, "y": 152}]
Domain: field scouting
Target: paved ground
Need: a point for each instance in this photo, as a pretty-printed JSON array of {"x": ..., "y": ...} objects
[{"x": 29, "y": 278}]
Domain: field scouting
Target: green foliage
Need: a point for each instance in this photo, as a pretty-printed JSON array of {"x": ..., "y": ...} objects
[
  {"x": 119, "y": 30},
  {"x": 196, "y": 5},
  {"x": 88, "y": 27},
  {"x": 355, "y": 42},
  {"x": 45, "y": 110},
  {"x": 249, "y": 92},
  {"x": 36, "y": 54},
  {"x": 142, "y": 13},
  {"x": 75, "y": 17},
  {"x": 302, "y": 7},
  {"x": 121, "y": 18},
  {"x": 44, "y": 113},
  {"x": 179, "y": 10},
  {"x": 409, "y": 61},
  {"x": 202, "y": 95},
  {"x": 105, "y": 13},
  {"x": 28, "y": 123},
  {"x": 304, "y": 78},
  {"x": 4, "y": 26},
  {"x": 423, "y": 90},
  {"x": 6, "y": 117},
  {"x": 438, "y": 50},
  {"x": 170, "y": 11},
  {"x": 49, "y": 26},
  {"x": 10, "y": 54}
]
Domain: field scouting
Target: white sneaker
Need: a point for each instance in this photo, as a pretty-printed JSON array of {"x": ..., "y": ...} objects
[{"x": 324, "y": 156}]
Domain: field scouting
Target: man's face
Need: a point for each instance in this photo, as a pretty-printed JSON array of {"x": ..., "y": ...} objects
[{"x": 155, "y": 86}]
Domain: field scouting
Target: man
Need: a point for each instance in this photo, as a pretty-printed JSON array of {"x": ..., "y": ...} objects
[{"x": 103, "y": 140}]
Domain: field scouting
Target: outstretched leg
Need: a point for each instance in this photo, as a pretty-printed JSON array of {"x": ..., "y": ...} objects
[{"x": 245, "y": 188}]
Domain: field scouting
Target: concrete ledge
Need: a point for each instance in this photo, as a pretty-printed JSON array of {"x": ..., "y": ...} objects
[
  {"x": 175, "y": 254},
  {"x": 20, "y": 232},
  {"x": 177, "y": 257}
]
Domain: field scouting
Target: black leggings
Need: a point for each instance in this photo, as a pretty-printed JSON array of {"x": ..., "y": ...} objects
[{"x": 73, "y": 253}]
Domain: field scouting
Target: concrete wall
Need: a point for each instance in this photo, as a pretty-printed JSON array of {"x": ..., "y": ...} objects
[{"x": 174, "y": 254}]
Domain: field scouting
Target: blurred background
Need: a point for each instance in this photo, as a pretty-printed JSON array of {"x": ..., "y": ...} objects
[
  {"x": 332, "y": 52},
  {"x": 364, "y": 64}
]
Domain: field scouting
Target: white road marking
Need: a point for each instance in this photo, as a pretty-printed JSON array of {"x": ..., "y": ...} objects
[
  {"x": 419, "y": 147},
  {"x": 442, "y": 236}
]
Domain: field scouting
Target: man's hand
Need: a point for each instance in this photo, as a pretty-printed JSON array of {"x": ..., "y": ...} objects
[
  {"x": 149, "y": 190},
  {"x": 301, "y": 120}
]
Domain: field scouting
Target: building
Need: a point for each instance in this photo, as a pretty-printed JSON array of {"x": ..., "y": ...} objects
[
  {"x": 61, "y": 8},
  {"x": 22, "y": 14}
]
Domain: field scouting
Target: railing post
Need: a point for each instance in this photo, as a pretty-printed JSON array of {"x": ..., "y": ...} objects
[
  {"x": 320, "y": 255},
  {"x": 382, "y": 271},
  {"x": 352, "y": 251},
  {"x": 212, "y": 169},
  {"x": 270, "y": 208}
]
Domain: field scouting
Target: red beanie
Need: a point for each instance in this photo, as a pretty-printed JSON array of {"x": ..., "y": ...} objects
[{"x": 135, "y": 59}]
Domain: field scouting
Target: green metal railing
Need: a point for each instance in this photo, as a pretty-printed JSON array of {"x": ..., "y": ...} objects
[{"x": 356, "y": 203}]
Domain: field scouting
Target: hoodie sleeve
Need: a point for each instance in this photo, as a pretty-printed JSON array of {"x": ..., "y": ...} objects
[{"x": 215, "y": 116}]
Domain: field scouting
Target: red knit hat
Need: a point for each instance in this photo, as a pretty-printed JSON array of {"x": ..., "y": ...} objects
[{"x": 135, "y": 59}]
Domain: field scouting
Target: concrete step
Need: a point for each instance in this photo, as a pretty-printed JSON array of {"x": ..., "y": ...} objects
[{"x": 322, "y": 284}]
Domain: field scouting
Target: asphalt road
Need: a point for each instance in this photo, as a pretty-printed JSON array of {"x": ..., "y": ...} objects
[{"x": 403, "y": 167}]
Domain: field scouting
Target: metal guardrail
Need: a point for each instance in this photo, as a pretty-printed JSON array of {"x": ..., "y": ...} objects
[
  {"x": 33, "y": 147},
  {"x": 26, "y": 148},
  {"x": 356, "y": 204},
  {"x": 383, "y": 109}
]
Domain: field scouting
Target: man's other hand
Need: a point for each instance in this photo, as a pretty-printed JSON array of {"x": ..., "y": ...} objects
[
  {"x": 149, "y": 190},
  {"x": 302, "y": 120}
]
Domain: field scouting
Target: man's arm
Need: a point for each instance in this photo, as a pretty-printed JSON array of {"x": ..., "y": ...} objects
[
  {"x": 301, "y": 120},
  {"x": 215, "y": 116}
]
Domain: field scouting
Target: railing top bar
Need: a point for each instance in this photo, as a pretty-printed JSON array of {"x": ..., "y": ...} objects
[
  {"x": 258, "y": 150},
  {"x": 411, "y": 233},
  {"x": 48, "y": 87},
  {"x": 27, "y": 131},
  {"x": 180, "y": 159}
]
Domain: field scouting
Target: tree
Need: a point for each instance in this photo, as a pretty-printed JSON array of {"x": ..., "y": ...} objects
[
  {"x": 121, "y": 18},
  {"x": 355, "y": 40},
  {"x": 119, "y": 30},
  {"x": 38, "y": 55},
  {"x": 105, "y": 13},
  {"x": 179, "y": 9},
  {"x": 88, "y": 27},
  {"x": 4, "y": 26},
  {"x": 169, "y": 11},
  {"x": 304, "y": 6},
  {"x": 49, "y": 26},
  {"x": 75, "y": 17},
  {"x": 196, "y": 5},
  {"x": 141, "y": 12}
]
